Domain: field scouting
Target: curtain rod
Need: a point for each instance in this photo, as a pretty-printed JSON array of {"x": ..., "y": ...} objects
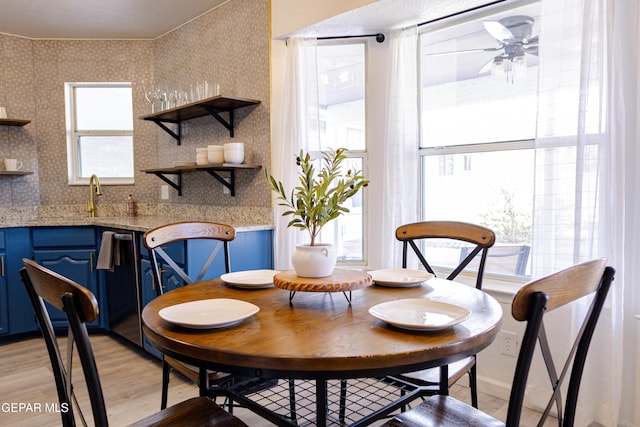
[
  {"x": 379, "y": 37},
  {"x": 461, "y": 12}
]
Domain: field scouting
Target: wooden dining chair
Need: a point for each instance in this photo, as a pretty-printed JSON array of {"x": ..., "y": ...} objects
[
  {"x": 533, "y": 302},
  {"x": 155, "y": 241},
  {"x": 80, "y": 307},
  {"x": 481, "y": 239}
]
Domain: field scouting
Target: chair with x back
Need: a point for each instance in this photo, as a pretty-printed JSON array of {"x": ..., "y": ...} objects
[
  {"x": 156, "y": 241},
  {"x": 80, "y": 307},
  {"x": 532, "y": 304},
  {"x": 480, "y": 240}
]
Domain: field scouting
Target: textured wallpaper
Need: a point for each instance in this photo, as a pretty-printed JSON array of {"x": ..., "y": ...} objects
[{"x": 229, "y": 45}]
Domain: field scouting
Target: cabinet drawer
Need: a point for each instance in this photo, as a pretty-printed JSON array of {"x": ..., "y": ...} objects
[{"x": 64, "y": 236}]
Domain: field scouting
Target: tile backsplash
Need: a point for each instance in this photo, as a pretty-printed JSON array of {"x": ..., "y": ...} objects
[{"x": 229, "y": 46}]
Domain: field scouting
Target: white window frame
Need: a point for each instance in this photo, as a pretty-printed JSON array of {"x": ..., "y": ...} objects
[
  {"x": 424, "y": 151},
  {"x": 357, "y": 154},
  {"x": 73, "y": 135}
]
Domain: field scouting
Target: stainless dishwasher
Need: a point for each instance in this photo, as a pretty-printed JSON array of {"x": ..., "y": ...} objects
[{"x": 123, "y": 288}]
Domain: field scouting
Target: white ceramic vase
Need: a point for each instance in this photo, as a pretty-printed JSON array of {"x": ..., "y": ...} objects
[{"x": 314, "y": 261}]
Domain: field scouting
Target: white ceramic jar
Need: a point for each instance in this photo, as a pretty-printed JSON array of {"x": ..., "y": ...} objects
[
  {"x": 234, "y": 152},
  {"x": 314, "y": 261},
  {"x": 215, "y": 154}
]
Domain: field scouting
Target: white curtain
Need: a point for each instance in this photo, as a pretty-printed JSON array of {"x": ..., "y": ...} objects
[
  {"x": 300, "y": 125},
  {"x": 401, "y": 168},
  {"x": 584, "y": 188}
]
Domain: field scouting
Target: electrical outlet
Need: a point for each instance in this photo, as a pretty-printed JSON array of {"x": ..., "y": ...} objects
[
  {"x": 509, "y": 344},
  {"x": 164, "y": 192},
  {"x": 225, "y": 190}
]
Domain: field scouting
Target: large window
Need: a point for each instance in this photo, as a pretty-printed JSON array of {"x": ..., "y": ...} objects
[
  {"x": 341, "y": 98},
  {"x": 478, "y": 123},
  {"x": 100, "y": 132}
]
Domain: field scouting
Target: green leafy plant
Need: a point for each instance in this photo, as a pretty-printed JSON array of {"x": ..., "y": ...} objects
[{"x": 319, "y": 198}]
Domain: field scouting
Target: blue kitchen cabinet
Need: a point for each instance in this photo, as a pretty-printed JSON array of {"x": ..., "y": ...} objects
[
  {"x": 16, "y": 306},
  {"x": 71, "y": 252},
  {"x": 250, "y": 250},
  {"x": 4, "y": 294},
  {"x": 169, "y": 277}
]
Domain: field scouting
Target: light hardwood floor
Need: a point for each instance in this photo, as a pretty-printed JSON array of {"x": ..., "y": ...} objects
[{"x": 131, "y": 383}]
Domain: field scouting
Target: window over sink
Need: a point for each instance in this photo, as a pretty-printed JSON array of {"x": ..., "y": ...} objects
[{"x": 99, "y": 118}]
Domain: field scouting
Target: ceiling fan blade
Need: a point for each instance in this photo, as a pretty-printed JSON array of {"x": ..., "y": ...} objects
[
  {"x": 486, "y": 67},
  {"x": 498, "y": 31},
  {"x": 488, "y": 49}
]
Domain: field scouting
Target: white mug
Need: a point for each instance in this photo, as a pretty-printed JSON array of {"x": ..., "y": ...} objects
[{"x": 12, "y": 164}]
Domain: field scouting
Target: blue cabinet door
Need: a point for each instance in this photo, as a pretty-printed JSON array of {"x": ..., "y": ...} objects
[
  {"x": 18, "y": 245},
  {"x": 252, "y": 250},
  {"x": 77, "y": 265},
  {"x": 172, "y": 281},
  {"x": 4, "y": 313},
  {"x": 169, "y": 277}
]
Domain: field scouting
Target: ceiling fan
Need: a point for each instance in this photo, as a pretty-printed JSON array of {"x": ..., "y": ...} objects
[
  {"x": 514, "y": 36},
  {"x": 515, "y": 40}
]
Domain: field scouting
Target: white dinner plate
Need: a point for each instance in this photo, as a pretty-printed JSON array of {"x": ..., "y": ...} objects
[
  {"x": 209, "y": 313},
  {"x": 399, "y": 277},
  {"x": 255, "y": 279},
  {"x": 419, "y": 314}
]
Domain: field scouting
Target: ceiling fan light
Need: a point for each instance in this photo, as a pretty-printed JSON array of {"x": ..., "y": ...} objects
[
  {"x": 519, "y": 66},
  {"x": 497, "y": 68}
]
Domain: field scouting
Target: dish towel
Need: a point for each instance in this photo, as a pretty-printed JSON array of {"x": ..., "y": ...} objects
[{"x": 109, "y": 255}]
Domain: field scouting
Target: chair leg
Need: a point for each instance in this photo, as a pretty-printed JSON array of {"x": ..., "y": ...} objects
[
  {"x": 473, "y": 386},
  {"x": 165, "y": 384}
]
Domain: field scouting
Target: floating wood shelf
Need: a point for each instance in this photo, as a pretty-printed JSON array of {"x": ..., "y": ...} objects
[
  {"x": 13, "y": 122},
  {"x": 210, "y": 106},
  {"x": 15, "y": 173},
  {"x": 231, "y": 168}
]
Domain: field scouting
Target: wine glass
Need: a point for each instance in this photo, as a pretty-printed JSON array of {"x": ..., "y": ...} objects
[
  {"x": 150, "y": 96},
  {"x": 162, "y": 96}
]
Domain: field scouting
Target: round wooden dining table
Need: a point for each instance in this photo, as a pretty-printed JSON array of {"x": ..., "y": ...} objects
[{"x": 322, "y": 336}]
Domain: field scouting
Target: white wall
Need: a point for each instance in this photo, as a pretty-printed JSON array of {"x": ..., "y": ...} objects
[{"x": 288, "y": 16}]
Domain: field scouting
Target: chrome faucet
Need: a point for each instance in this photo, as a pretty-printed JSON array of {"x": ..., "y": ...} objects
[{"x": 91, "y": 205}]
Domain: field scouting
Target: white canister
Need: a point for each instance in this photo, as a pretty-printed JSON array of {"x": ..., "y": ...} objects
[
  {"x": 202, "y": 156},
  {"x": 234, "y": 152},
  {"x": 215, "y": 154}
]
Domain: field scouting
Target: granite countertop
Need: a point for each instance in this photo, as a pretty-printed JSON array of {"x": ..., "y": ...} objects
[{"x": 136, "y": 223}]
